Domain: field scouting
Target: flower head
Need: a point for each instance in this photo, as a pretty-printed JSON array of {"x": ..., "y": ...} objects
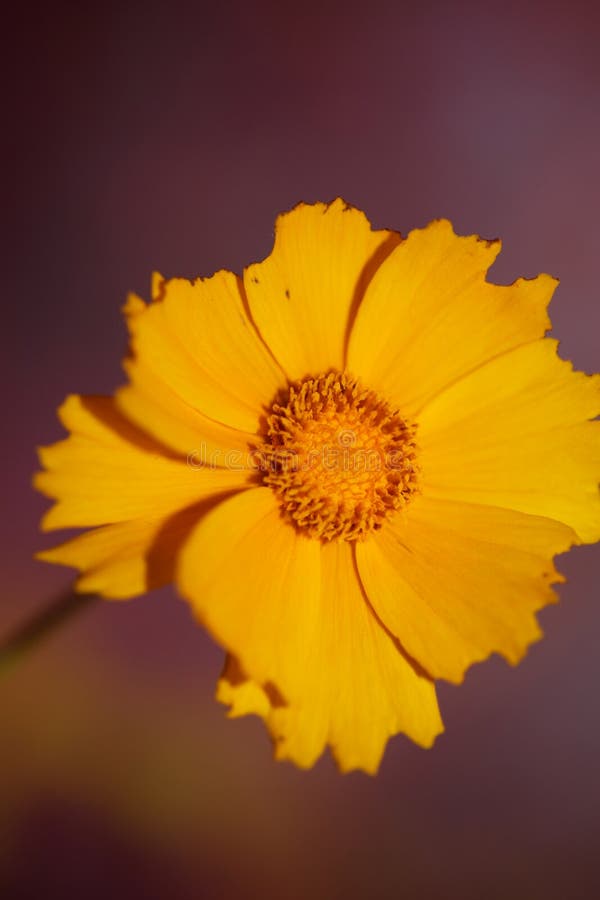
[{"x": 356, "y": 463}]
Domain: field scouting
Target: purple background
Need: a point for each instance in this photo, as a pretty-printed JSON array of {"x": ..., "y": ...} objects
[{"x": 145, "y": 137}]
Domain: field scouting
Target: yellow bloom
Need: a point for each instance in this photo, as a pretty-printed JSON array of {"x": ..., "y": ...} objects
[{"x": 357, "y": 464}]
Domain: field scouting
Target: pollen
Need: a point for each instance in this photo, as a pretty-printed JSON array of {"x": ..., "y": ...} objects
[{"x": 339, "y": 458}]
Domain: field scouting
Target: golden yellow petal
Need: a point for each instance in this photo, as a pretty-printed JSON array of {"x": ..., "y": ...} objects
[
  {"x": 298, "y": 734},
  {"x": 151, "y": 404},
  {"x": 128, "y": 558},
  {"x": 429, "y": 316},
  {"x": 514, "y": 434},
  {"x": 107, "y": 471},
  {"x": 254, "y": 583},
  {"x": 374, "y": 692},
  {"x": 304, "y": 295},
  {"x": 456, "y": 582},
  {"x": 243, "y": 696},
  {"x": 344, "y": 681},
  {"x": 198, "y": 339}
]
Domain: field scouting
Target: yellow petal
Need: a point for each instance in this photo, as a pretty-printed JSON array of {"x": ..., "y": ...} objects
[
  {"x": 455, "y": 582},
  {"x": 254, "y": 583},
  {"x": 198, "y": 339},
  {"x": 154, "y": 407},
  {"x": 107, "y": 471},
  {"x": 429, "y": 316},
  {"x": 128, "y": 558},
  {"x": 304, "y": 296},
  {"x": 298, "y": 733},
  {"x": 293, "y": 614},
  {"x": 242, "y": 696},
  {"x": 514, "y": 434},
  {"x": 371, "y": 691}
]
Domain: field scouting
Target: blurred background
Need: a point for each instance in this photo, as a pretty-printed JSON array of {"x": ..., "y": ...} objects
[{"x": 142, "y": 136}]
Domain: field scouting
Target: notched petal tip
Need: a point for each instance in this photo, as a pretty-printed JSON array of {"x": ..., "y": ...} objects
[
  {"x": 51, "y": 520},
  {"x": 73, "y": 407},
  {"x": 40, "y": 451},
  {"x": 133, "y": 306},
  {"x": 38, "y": 479},
  {"x": 428, "y": 743},
  {"x": 44, "y": 556},
  {"x": 349, "y": 763},
  {"x": 331, "y": 208},
  {"x": 445, "y": 225},
  {"x": 158, "y": 285},
  {"x": 541, "y": 286},
  {"x": 515, "y": 654}
]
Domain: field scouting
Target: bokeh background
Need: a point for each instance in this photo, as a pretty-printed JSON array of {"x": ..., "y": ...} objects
[{"x": 145, "y": 136}]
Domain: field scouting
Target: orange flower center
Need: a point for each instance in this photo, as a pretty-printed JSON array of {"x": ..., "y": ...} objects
[{"x": 339, "y": 458}]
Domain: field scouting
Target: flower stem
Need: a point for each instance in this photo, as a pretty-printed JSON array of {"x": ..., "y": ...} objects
[{"x": 41, "y": 625}]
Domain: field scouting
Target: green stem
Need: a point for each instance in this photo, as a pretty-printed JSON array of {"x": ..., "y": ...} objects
[{"x": 41, "y": 625}]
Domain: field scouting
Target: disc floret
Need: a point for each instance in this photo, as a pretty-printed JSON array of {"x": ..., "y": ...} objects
[{"x": 340, "y": 459}]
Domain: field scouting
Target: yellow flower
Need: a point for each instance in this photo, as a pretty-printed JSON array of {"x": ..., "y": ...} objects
[{"x": 357, "y": 464}]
